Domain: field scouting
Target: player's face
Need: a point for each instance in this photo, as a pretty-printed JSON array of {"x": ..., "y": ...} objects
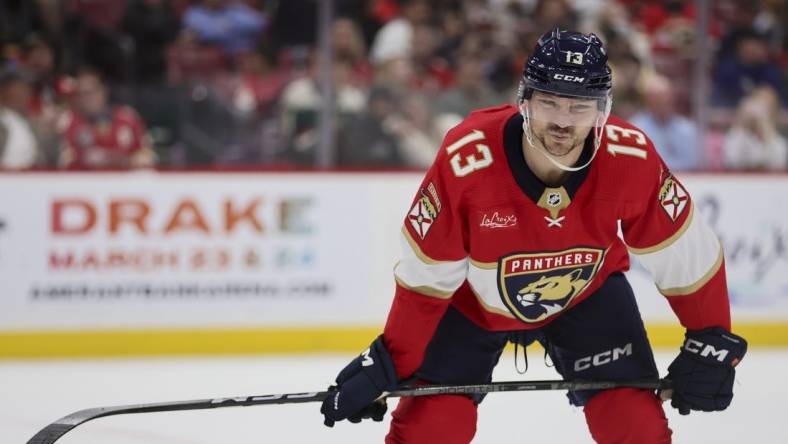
[
  {"x": 561, "y": 124},
  {"x": 91, "y": 97}
]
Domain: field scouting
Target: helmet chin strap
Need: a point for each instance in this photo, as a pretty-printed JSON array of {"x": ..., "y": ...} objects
[{"x": 598, "y": 126}]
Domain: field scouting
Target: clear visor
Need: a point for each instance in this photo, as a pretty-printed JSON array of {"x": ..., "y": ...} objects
[
  {"x": 563, "y": 111},
  {"x": 558, "y": 124}
]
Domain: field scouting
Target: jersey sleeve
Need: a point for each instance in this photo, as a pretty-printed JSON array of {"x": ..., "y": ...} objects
[
  {"x": 138, "y": 133},
  {"x": 674, "y": 243},
  {"x": 432, "y": 266}
]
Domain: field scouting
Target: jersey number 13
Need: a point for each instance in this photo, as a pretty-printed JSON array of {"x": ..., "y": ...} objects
[{"x": 462, "y": 166}]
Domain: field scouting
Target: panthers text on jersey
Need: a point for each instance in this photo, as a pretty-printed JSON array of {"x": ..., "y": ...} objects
[{"x": 485, "y": 235}]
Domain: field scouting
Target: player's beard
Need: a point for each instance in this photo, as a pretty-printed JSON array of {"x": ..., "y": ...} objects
[{"x": 559, "y": 142}]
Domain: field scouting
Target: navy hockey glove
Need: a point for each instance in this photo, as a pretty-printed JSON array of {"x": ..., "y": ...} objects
[
  {"x": 359, "y": 385},
  {"x": 703, "y": 373}
]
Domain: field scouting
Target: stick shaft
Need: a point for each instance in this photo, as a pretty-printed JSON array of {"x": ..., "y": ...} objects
[{"x": 56, "y": 430}]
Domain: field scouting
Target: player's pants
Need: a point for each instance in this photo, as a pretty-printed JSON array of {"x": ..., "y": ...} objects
[{"x": 601, "y": 338}]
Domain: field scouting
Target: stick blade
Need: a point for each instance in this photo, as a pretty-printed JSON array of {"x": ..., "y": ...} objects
[
  {"x": 51, "y": 433},
  {"x": 57, "y": 429}
]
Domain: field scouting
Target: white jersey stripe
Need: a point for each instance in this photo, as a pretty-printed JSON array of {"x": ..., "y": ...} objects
[
  {"x": 426, "y": 290},
  {"x": 484, "y": 282},
  {"x": 419, "y": 273},
  {"x": 682, "y": 291},
  {"x": 687, "y": 263}
]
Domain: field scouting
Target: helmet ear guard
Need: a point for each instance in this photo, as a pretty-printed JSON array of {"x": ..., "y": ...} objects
[{"x": 523, "y": 92}]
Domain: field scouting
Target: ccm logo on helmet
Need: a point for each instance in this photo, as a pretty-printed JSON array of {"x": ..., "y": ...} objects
[
  {"x": 705, "y": 350},
  {"x": 568, "y": 78},
  {"x": 603, "y": 358}
]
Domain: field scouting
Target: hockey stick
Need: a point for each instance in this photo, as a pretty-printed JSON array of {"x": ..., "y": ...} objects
[{"x": 57, "y": 429}]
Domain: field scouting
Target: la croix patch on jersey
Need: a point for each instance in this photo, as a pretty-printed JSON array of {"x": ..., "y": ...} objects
[
  {"x": 537, "y": 285},
  {"x": 672, "y": 197},
  {"x": 425, "y": 210}
]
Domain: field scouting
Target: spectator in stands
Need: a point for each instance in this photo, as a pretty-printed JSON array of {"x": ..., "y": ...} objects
[
  {"x": 395, "y": 131},
  {"x": 770, "y": 21},
  {"x": 744, "y": 17},
  {"x": 38, "y": 61},
  {"x": 99, "y": 135},
  {"x": 395, "y": 38},
  {"x": 366, "y": 139},
  {"x": 453, "y": 30},
  {"x": 670, "y": 21},
  {"x": 251, "y": 95},
  {"x": 471, "y": 89},
  {"x": 555, "y": 13},
  {"x": 398, "y": 75},
  {"x": 419, "y": 137},
  {"x": 20, "y": 18},
  {"x": 230, "y": 24},
  {"x": 746, "y": 68},
  {"x": 753, "y": 142},
  {"x": 93, "y": 36},
  {"x": 675, "y": 31},
  {"x": 622, "y": 37},
  {"x": 349, "y": 45},
  {"x": 674, "y": 136},
  {"x": 152, "y": 25},
  {"x": 502, "y": 56},
  {"x": 294, "y": 24},
  {"x": 369, "y": 15},
  {"x": 302, "y": 101},
  {"x": 19, "y": 147},
  {"x": 432, "y": 73},
  {"x": 256, "y": 84},
  {"x": 627, "y": 88}
]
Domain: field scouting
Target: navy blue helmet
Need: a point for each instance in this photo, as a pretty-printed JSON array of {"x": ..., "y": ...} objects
[{"x": 567, "y": 63}]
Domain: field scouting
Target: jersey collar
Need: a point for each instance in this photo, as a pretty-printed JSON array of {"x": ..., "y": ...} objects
[{"x": 531, "y": 185}]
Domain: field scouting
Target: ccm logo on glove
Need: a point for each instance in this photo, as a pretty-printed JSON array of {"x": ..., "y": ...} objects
[
  {"x": 361, "y": 384},
  {"x": 367, "y": 359},
  {"x": 707, "y": 350},
  {"x": 704, "y": 371}
]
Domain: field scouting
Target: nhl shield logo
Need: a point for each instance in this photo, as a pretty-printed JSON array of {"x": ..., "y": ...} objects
[
  {"x": 535, "y": 286},
  {"x": 554, "y": 199}
]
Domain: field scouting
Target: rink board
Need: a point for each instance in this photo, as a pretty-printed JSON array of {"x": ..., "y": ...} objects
[{"x": 203, "y": 263}]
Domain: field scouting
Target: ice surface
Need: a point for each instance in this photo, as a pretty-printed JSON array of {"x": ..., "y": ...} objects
[{"x": 35, "y": 393}]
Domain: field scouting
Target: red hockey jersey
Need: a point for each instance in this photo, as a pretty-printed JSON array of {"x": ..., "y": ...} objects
[
  {"x": 108, "y": 141},
  {"x": 485, "y": 235}
]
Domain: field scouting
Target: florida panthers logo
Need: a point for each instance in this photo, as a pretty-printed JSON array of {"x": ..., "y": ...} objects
[
  {"x": 535, "y": 286},
  {"x": 551, "y": 291}
]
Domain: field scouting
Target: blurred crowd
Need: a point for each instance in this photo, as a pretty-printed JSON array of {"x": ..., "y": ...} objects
[{"x": 228, "y": 83}]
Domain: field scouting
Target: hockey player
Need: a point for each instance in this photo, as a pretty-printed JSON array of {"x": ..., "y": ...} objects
[{"x": 513, "y": 235}]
